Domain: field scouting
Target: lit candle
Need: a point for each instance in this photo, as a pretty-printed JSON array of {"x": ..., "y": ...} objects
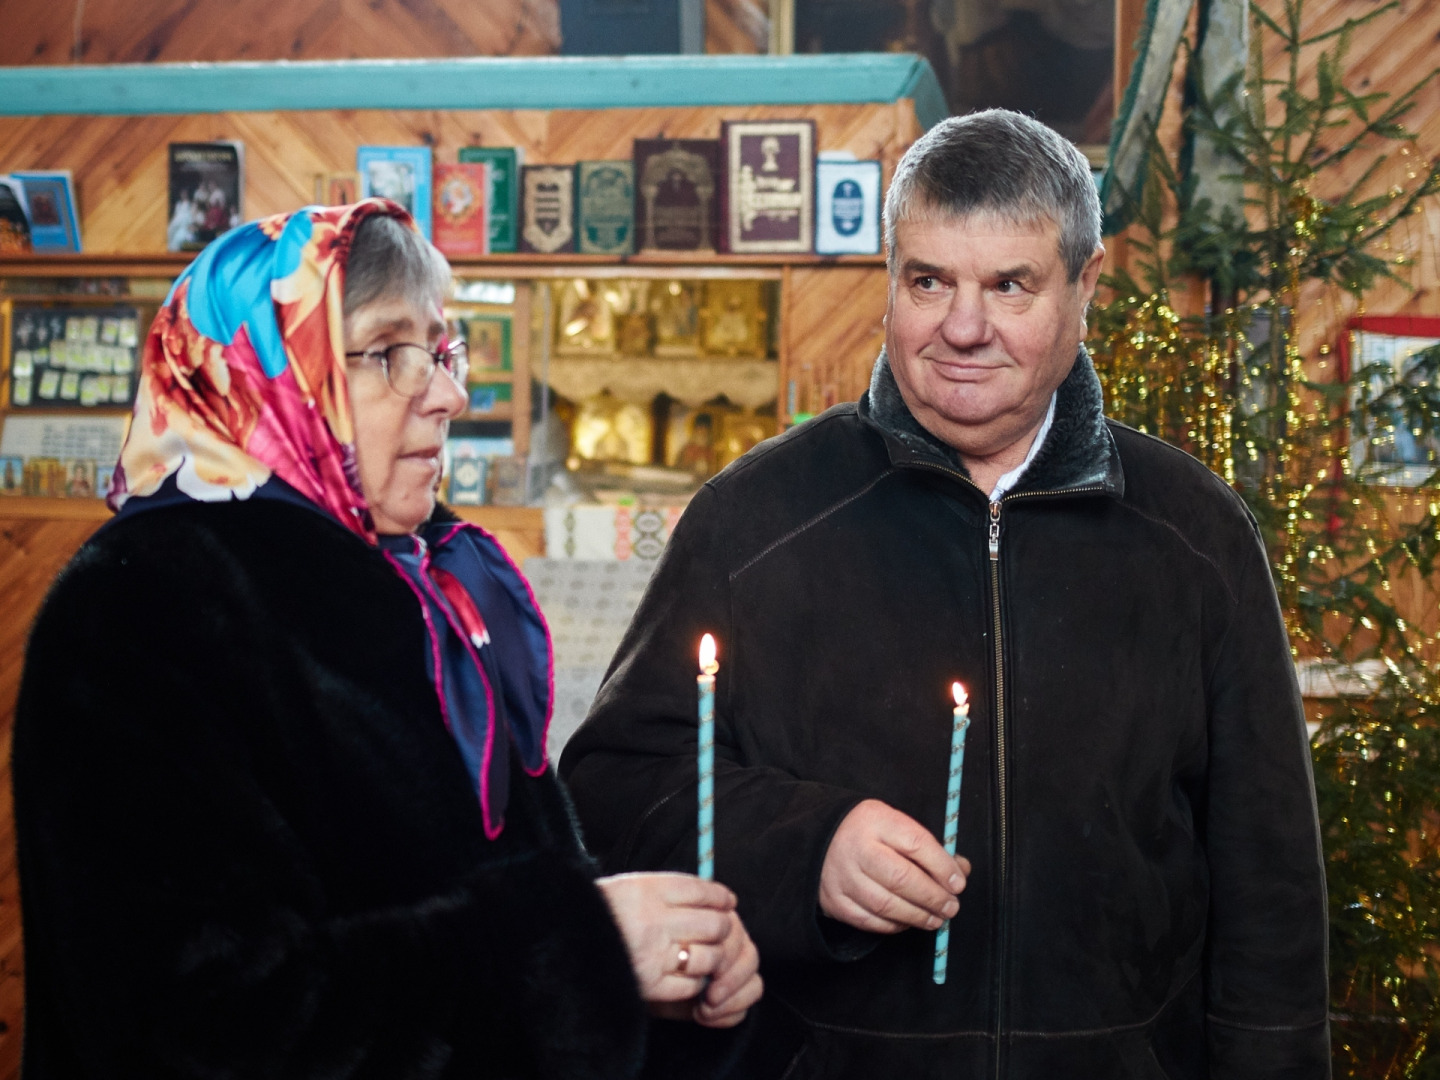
[
  {"x": 952, "y": 813},
  {"x": 706, "y": 757}
]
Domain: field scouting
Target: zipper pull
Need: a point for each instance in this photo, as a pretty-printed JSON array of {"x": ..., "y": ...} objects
[{"x": 995, "y": 530}]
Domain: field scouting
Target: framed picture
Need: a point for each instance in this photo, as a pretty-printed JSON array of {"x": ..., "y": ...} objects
[
  {"x": 12, "y": 475},
  {"x": 732, "y": 320},
  {"x": 487, "y": 336},
  {"x": 400, "y": 174},
  {"x": 54, "y": 221},
  {"x": 1395, "y": 355},
  {"x": 72, "y": 355},
  {"x": 337, "y": 188}
]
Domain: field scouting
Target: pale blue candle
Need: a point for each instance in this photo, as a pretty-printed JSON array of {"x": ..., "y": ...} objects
[
  {"x": 706, "y": 758},
  {"x": 952, "y": 814}
]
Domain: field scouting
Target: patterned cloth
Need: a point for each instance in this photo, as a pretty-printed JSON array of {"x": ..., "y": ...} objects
[{"x": 243, "y": 394}]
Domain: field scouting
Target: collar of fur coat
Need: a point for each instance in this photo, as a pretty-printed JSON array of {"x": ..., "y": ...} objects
[{"x": 1079, "y": 451}]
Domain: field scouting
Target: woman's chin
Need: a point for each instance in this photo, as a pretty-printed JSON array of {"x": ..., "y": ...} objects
[{"x": 395, "y": 517}]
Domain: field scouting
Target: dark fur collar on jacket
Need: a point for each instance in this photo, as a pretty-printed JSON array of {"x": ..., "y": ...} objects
[{"x": 1079, "y": 451}]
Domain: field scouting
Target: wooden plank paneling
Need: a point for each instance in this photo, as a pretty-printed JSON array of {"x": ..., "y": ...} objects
[{"x": 833, "y": 329}]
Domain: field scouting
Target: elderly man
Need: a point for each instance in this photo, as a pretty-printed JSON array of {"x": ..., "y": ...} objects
[{"x": 1143, "y": 893}]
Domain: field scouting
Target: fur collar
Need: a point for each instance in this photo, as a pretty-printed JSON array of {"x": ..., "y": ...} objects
[{"x": 1078, "y": 452}]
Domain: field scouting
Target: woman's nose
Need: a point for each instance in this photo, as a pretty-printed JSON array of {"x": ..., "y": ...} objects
[{"x": 444, "y": 395}]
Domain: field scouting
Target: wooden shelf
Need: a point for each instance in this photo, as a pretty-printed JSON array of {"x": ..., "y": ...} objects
[
  {"x": 523, "y": 265},
  {"x": 86, "y": 264},
  {"x": 503, "y": 410},
  {"x": 31, "y": 506}
]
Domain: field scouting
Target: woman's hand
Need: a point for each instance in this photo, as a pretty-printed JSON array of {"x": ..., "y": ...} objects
[{"x": 661, "y": 914}]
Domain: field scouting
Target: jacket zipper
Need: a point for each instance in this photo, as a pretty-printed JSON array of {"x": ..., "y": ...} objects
[
  {"x": 1000, "y": 782},
  {"x": 1001, "y": 779}
]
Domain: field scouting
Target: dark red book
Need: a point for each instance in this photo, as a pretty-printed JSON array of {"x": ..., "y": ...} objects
[{"x": 677, "y": 194}]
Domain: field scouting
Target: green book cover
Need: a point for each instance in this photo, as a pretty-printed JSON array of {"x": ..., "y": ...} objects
[
  {"x": 605, "y": 207},
  {"x": 504, "y": 191}
]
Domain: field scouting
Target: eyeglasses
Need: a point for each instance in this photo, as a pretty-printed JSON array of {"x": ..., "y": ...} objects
[{"x": 409, "y": 368}]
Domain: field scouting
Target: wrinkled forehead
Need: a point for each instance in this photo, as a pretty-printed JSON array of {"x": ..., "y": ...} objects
[
  {"x": 1019, "y": 217},
  {"x": 923, "y": 215}
]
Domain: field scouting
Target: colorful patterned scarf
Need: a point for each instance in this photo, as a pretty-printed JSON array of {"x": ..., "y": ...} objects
[{"x": 243, "y": 394}]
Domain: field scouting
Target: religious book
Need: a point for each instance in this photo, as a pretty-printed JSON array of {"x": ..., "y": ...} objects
[
  {"x": 207, "y": 191},
  {"x": 461, "y": 212},
  {"x": 504, "y": 200},
  {"x": 467, "y": 479},
  {"x": 400, "y": 174},
  {"x": 768, "y": 198},
  {"x": 54, "y": 222},
  {"x": 605, "y": 207},
  {"x": 14, "y": 218},
  {"x": 676, "y": 193},
  {"x": 547, "y": 208},
  {"x": 847, "y": 207}
]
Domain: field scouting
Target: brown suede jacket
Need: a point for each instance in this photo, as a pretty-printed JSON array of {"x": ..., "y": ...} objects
[{"x": 1148, "y": 895}]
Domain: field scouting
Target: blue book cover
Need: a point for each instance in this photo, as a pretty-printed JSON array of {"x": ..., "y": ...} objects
[
  {"x": 54, "y": 222},
  {"x": 399, "y": 173}
]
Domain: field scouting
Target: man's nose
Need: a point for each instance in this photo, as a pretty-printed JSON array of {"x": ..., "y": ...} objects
[{"x": 966, "y": 324}]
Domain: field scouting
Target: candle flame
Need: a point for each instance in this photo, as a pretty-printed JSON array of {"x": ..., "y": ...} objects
[
  {"x": 961, "y": 700},
  {"x": 707, "y": 655}
]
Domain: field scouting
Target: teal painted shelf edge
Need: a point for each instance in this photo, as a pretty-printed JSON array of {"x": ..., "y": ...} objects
[{"x": 546, "y": 82}]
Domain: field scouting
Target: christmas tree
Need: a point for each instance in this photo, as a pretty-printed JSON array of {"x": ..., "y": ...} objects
[{"x": 1334, "y": 453}]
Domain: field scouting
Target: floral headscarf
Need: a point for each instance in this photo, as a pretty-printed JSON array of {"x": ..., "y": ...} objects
[
  {"x": 243, "y": 394},
  {"x": 243, "y": 375}
]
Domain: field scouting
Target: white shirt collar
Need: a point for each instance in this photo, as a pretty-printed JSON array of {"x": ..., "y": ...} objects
[{"x": 1011, "y": 478}]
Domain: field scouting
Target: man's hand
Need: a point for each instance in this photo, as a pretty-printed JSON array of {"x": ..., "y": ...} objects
[
  {"x": 660, "y": 914},
  {"x": 884, "y": 872}
]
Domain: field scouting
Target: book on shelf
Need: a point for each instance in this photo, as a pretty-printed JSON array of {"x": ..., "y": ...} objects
[
  {"x": 504, "y": 200},
  {"x": 400, "y": 174},
  {"x": 847, "y": 207},
  {"x": 54, "y": 220},
  {"x": 676, "y": 193},
  {"x": 14, "y": 218},
  {"x": 605, "y": 207},
  {"x": 547, "y": 208},
  {"x": 461, "y": 212},
  {"x": 207, "y": 192},
  {"x": 768, "y": 198}
]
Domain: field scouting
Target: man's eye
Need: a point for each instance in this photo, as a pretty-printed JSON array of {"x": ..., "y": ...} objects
[
  {"x": 926, "y": 283},
  {"x": 1008, "y": 287}
]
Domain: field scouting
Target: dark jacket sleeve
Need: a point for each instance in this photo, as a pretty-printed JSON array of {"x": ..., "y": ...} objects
[
  {"x": 175, "y": 921},
  {"x": 1267, "y": 986},
  {"x": 631, "y": 767}
]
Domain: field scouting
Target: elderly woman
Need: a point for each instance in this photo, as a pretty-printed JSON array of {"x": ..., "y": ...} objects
[{"x": 281, "y": 796}]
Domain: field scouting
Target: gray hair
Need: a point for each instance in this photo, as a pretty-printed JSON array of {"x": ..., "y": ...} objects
[
  {"x": 390, "y": 259},
  {"x": 1002, "y": 163}
]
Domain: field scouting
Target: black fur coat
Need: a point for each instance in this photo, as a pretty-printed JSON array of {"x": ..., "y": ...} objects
[{"x": 248, "y": 846}]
